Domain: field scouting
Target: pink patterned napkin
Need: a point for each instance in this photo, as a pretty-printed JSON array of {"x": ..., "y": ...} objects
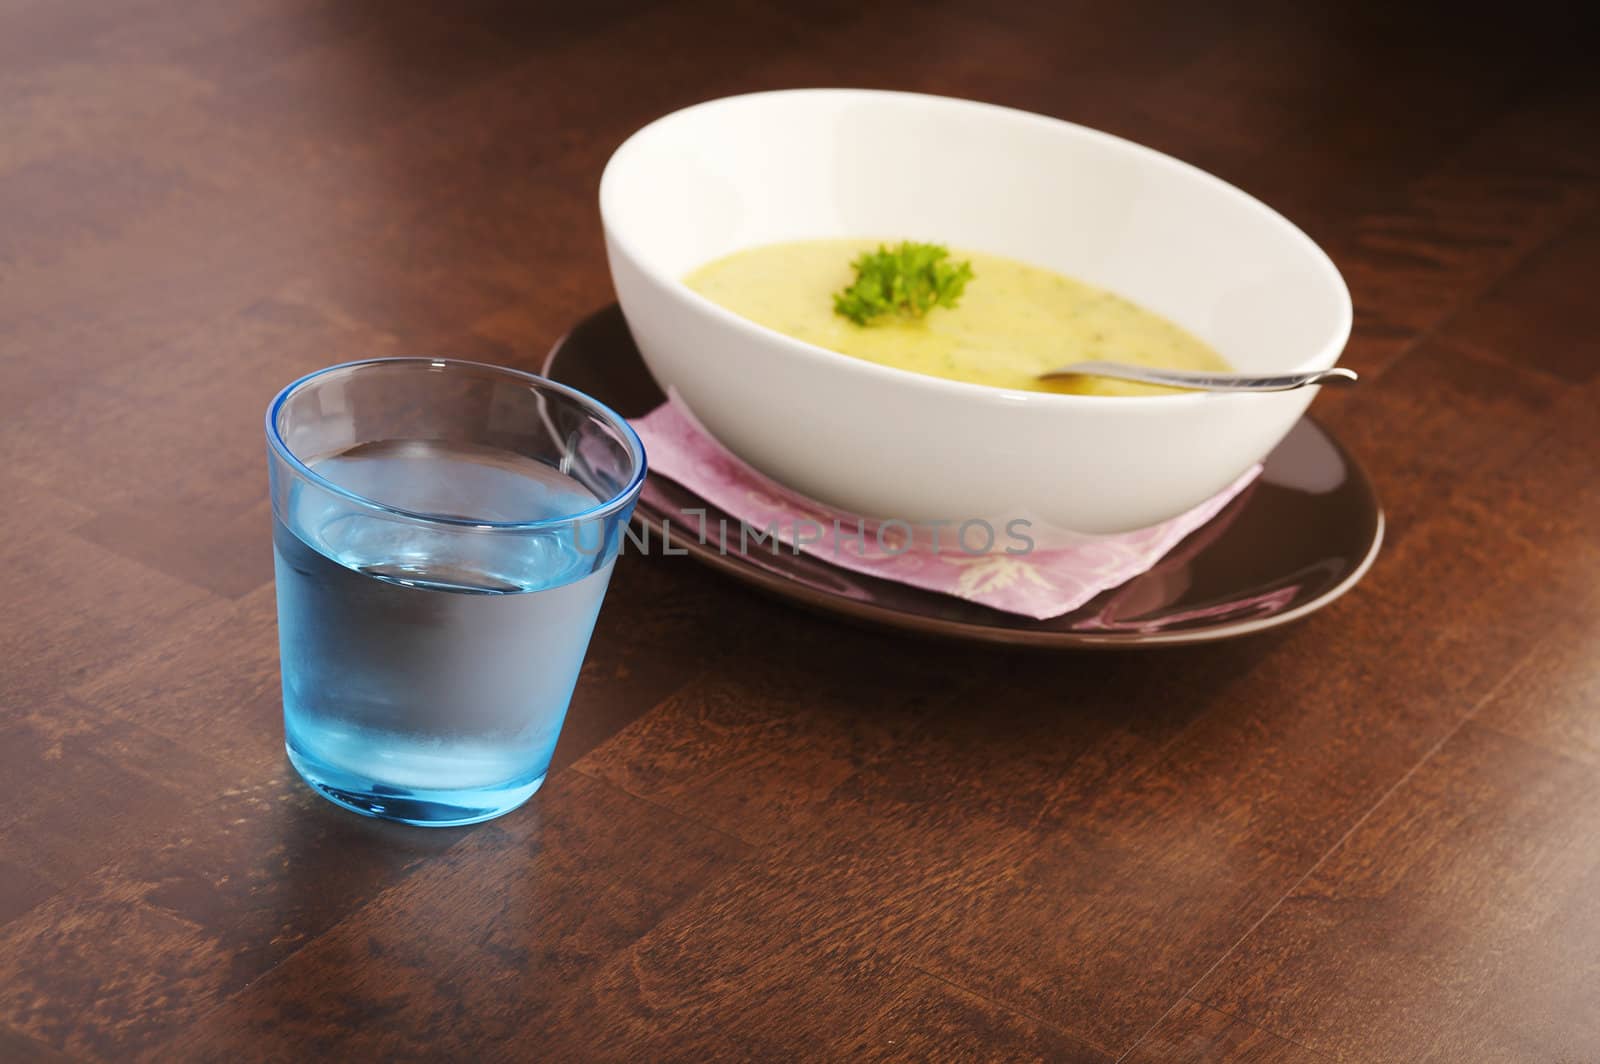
[{"x": 1038, "y": 583}]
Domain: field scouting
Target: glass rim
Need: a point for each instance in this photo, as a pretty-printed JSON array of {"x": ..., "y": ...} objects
[{"x": 602, "y": 412}]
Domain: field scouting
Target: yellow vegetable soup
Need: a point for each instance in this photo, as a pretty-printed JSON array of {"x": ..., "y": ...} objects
[{"x": 1013, "y": 322}]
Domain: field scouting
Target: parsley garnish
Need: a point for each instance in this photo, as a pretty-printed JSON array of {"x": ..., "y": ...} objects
[{"x": 909, "y": 279}]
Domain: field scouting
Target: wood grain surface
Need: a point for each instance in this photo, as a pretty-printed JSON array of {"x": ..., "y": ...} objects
[{"x": 1373, "y": 835}]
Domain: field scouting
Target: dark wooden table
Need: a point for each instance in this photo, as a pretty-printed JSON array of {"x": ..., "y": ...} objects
[{"x": 1374, "y": 835}]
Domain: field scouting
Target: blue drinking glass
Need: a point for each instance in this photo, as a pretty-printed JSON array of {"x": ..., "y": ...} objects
[{"x": 444, "y": 533}]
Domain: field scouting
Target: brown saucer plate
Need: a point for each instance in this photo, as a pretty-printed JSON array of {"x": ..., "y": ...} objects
[{"x": 1296, "y": 539}]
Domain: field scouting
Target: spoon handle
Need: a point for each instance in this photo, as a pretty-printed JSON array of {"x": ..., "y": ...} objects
[{"x": 1206, "y": 382}]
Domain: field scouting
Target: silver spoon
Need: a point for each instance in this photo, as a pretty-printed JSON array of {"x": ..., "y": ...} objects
[{"x": 1204, "y": 382}]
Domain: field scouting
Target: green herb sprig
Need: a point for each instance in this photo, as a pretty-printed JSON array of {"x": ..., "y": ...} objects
[{"x": 907, "y": 280}]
